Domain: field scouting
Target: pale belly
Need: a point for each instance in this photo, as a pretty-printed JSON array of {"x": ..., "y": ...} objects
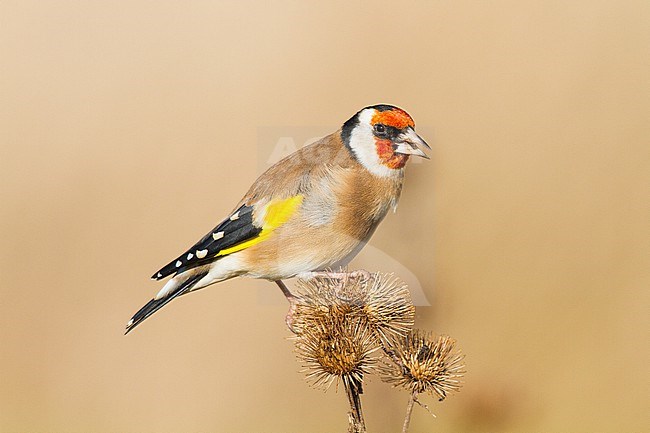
[{"x": 280, "y": 260}]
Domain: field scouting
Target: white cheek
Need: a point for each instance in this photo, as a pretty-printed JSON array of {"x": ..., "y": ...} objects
[{"x": 362, "y": 143}]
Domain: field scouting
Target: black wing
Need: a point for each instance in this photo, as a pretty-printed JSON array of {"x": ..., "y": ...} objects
[{"x": 237, "y": 228}]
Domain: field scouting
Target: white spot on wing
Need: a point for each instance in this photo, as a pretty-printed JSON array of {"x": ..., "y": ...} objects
[
  {"x": 130, "y": 323},
  {"x": 159, "y": 275},
  {"x": 216, "y": 236},
  {"x": 189, "y": 256},
  {"x": 234, "y": 216},
  {"x": 178, "y": 263},
  {"x": 201, "y": 253}
]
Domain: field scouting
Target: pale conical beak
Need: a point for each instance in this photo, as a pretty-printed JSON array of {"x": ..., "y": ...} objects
[{"x": 409, "y": 143}]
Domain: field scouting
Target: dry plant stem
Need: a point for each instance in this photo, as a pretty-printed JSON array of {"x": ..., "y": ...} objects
[
  {"x": 413, "y": 396},
  {"x": 357, "y": 423},
  {"x": 409, "y": 411}
]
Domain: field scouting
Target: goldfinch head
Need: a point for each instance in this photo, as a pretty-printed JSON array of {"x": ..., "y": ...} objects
[{"x": 381, "y": 138}]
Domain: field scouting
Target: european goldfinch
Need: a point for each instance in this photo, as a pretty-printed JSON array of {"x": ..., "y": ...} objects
[{"x": 313, "y": 210}]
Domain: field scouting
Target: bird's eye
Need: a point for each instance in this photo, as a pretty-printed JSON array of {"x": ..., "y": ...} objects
[{"x": 380, "y": 129}]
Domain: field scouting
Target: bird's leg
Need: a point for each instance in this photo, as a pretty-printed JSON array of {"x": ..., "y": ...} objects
[
  {"x": 292, "y": 304},
  {"x": 285, "y": 290}
]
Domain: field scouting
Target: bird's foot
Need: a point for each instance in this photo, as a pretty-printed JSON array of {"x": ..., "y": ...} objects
[
  {"x": 359, "y": 273},
  {"x": 362, "y": 274},
  {"x": 340, "y": 279}
]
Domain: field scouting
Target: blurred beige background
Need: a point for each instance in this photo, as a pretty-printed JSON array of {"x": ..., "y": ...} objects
[{"x": 129, "y": 128}]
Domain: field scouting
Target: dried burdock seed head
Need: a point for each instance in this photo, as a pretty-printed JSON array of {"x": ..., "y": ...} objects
[
  {"x": 382, "y": 301},
  {"x": 423, "y": 363},
  {"x": 336, "y": 348},
  {"x": 388, "y": 307}
]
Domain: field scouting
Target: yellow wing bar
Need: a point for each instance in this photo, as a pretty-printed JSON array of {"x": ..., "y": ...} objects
[{"x": 277, "y": 212}]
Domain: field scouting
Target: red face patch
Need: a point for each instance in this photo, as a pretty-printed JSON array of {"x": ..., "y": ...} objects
[
  {"x": 387, "y": 155},
  {"x": 396, "y": 118}
]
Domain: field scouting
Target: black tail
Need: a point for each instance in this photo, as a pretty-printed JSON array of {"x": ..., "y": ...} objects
[{"x": 156, "y": 304}]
